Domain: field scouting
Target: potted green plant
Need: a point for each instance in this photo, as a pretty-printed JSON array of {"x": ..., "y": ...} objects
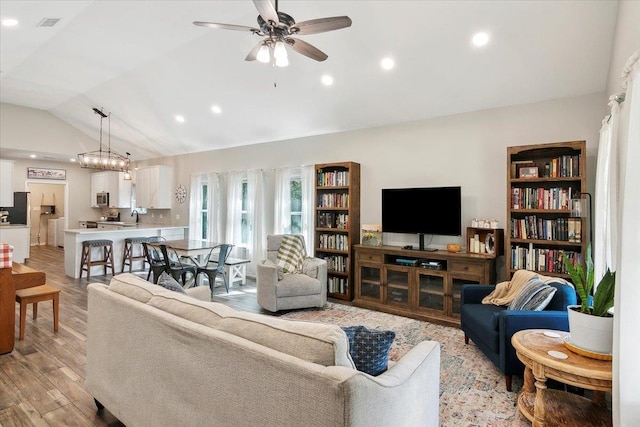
[{"x": 591, "y": 322}]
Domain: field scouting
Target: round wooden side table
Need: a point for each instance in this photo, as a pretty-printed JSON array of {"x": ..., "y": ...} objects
[{"x": 544, "y": 356}]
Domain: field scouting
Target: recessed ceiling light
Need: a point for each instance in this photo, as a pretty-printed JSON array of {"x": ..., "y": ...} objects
[
  {"x": 327, "y": 80},
  {"x": 216, "y": 109},
  {"x": 180, "y": 119},
  {"x": 33, "y": 156},
  {"x": 9, "y": 22},
  {"x": 480, "y": 39},
  {"x": 387, "y": 63}
]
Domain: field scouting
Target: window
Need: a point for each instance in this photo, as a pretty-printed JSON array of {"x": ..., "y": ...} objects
[
  {"x": 204, "y": 208},
  {"x": 245, "y": 216},
  {"x": 296, "y": 205}
]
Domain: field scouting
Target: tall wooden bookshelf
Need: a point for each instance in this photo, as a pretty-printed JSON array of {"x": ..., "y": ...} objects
[
  {"x": 337, "y": 223},
  {"x": 543, "y": 179}
]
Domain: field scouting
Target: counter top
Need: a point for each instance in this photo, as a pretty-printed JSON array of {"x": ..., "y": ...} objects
[
  {"x": 2, "y": 227},
  {"x": 124, "y": 229}
]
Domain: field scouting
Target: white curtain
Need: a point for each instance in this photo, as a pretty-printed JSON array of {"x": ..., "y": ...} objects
[
  {"x": 215, "y": 231},
  {"x": 606, "y": 205},
  {"x": 282, "y": 205},
  {"x": 256, "y": 213},
  {"x": 626, "y": 345},
  {"x": 308, "y": 182},
  {"x": 234, "y": 208},
  {"x": 195, "y": 206}
]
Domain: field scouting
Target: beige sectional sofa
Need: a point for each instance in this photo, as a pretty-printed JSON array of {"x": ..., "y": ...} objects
[{"x": 160, "y": 358}]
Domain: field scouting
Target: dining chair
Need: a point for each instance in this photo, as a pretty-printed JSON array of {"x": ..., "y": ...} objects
[
  {"x": 175, "y": 266},
  {"x": 154, "y": 257},
  {"x": 214, "y": 266}
]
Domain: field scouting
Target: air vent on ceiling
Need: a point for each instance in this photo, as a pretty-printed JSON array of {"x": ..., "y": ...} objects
[{"x": 48, "y": 22}]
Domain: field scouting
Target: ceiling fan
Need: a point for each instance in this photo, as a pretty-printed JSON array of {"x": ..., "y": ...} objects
[{"x": 277, "y": 29}]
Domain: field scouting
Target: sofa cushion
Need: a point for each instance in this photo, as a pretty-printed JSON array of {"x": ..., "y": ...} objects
[
  {"x": 295, "y": 285},
  {"x": 135, "y": 287},
  {"x": 323, "y": 344},
  {"x": 168, "y": 282},
  {"x": 369, "y": 348},
  {"x": 291, "y": 254},
  {"x": 203, "y": 312},
  {"x": 310, "y": 267},
  {"x": 535, "y": 295}
]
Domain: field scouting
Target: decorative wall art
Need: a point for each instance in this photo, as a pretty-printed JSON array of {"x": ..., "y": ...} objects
[{"x": 46, "y": 173}]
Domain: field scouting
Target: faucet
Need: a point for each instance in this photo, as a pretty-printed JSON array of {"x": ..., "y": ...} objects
[{"x": 137, "y": 217}]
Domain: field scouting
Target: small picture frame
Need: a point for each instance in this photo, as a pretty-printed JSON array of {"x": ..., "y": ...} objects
[
  {"x": 529, "y": 172},
  {"x": 46, "y": 173}
]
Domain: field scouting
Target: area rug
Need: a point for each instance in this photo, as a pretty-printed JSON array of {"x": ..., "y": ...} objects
[{"x": 472, "y": 390}]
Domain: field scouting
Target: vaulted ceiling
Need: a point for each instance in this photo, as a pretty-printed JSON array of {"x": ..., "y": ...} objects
[{"x": 145, "y": 63}]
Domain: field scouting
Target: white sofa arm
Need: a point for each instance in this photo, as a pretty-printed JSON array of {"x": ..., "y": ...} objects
[
  {"x": 266, "y": 280},
  {"x": 408, "y": 393}
]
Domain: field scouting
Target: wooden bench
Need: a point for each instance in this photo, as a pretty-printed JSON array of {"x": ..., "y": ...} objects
[{"x": 236, "y": 269}]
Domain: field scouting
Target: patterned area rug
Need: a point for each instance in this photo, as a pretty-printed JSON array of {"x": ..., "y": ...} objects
[{"x": 472, "y": 390}]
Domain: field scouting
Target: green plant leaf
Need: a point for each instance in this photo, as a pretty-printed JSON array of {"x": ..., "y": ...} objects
[
  {"x": 604, "y": 296},
  {"x": 579, "y": 279}
]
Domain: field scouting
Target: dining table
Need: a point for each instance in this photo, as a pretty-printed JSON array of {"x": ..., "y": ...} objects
[{"x": 192, "y": 248}]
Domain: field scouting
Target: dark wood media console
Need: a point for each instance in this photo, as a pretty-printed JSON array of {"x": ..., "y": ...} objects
[{"x": 417, "y": 284}]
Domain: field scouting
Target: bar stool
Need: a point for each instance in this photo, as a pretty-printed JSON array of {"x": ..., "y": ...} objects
[
  {"x": 86, "y": 262},
  {"x": 128, "y": 257},
  {"x": 34, "y": 295}
]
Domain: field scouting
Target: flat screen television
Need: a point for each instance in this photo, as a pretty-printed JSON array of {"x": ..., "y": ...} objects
[{"x": 427, "y": 210}]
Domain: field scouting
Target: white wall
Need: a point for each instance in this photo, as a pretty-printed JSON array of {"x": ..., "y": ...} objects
[
  {"x": 31, "y": 129},
  {"x": 626, "y": 41},
  {"x": 467, "y": 150}
]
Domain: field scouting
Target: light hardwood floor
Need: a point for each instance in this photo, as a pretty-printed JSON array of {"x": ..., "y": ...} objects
[{"x": 42, "y": 380}]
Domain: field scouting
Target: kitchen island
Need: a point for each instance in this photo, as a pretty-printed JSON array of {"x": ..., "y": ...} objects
[
  {"x": 74, "y": 237},
  {"x": 18, "y": 236}
]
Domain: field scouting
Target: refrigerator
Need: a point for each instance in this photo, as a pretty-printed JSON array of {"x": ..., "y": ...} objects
[{"x": 20, "y": 212}]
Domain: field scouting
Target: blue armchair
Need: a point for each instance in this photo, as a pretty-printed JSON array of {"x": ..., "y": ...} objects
[{"x": 490, "y": 326}]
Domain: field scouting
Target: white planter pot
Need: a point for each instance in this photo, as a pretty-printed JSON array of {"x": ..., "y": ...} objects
[{"x": 593, "y": 333}]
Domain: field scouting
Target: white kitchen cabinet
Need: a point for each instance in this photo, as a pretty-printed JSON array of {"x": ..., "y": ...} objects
[
  {"x": 153, "y": 187},
  {"x": 113, "y": 183},
  {"x": 6, "y": 183}
]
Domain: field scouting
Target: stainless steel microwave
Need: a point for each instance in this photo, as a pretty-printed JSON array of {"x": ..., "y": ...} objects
[{"x": 102, "y": 199}]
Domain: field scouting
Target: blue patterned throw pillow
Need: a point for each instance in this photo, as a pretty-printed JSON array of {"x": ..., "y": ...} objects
[
  {"x": 369, "y": 348},
  {"x": 166, "y": 281}
]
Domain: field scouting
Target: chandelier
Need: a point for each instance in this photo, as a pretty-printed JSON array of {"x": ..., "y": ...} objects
[{"x": 104, "y": 159}]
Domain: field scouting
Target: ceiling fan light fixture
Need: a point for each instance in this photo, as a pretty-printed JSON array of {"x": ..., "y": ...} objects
[
  {"x": 279, "y": 51},
  {"x": 282, "y": 62},
  {"x": 263, "y": 54}
]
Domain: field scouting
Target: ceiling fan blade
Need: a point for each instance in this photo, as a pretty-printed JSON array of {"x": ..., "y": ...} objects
[
  {"x": 267, "y": 11},
  {"x": 226, "y": 26},
  {"x": 253, "y": 53},
  {"x": 321, "y": 25},
  {"x": 306, "y": 49}
]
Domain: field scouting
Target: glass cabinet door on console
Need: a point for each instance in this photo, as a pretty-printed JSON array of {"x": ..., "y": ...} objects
[
  {"x": 456, "y": 286},
  {"x": 431, "y": 288},
  {"x": 397, "y": 285},
  {"x": 368, "y": 280}
]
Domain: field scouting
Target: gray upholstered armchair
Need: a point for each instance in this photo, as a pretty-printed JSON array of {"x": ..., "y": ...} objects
[{"x": 277, "y": 291}]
